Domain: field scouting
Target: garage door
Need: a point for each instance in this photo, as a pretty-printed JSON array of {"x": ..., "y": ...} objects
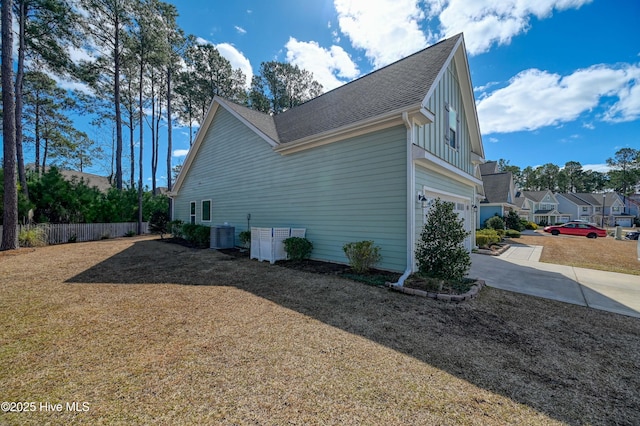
[{"x": 461, "y": 207}]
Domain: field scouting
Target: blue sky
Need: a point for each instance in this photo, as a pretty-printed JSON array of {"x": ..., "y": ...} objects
[{"x": 554, "y": 80}]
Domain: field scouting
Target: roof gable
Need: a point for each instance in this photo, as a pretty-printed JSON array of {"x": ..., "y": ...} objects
[{"x": 497, "y": 187}]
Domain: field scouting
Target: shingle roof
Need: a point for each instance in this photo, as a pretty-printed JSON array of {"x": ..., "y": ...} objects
[
  {"x": 489, "y": 168},
  {"x": 402, "y": 84},
  {"x": 263, "y": 122},
  {"x": 399, "y": 85},
  {"x": 575, "y": 199},
  {"x": 497, "y": 187},
  {"x": 536, "y": 196}
]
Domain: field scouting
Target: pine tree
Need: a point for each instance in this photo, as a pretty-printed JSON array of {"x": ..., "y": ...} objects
[{"x": 440, "y": 252}]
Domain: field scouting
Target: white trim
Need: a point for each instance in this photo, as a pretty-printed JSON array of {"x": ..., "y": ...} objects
[
  {"x": 210, "y": 210},
  {"x": 363, "y": 127},
  {"x": 195, "y": 211},
  {"x": 420, "y": 154}
]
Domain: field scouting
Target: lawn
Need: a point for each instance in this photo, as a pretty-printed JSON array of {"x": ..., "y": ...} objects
[
  {"x": 606, "y": 254},
  {"x": 146, "y": 332}
]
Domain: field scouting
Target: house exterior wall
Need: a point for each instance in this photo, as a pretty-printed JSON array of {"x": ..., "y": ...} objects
[
  {"x": 431, "y": 136},
  {"x": 434, "y": 184},
  {"x": 487, "y": 212},
  {"x": 568, "y": 207},
  {"x": 352, "y": 190}
]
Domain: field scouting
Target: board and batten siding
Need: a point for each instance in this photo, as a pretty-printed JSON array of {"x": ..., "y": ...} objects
[
  {"x": 351, "y": 190},
  {"x": 431, "y": 137}
]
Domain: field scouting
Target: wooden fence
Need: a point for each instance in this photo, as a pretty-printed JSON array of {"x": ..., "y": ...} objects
[{"x": 69, "y": 232}]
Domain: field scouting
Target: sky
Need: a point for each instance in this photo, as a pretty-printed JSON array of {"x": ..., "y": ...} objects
[{"x": 554, "y": 80}]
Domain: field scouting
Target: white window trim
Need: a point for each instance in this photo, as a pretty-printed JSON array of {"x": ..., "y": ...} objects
[
  {"x": 210, "y": 210},
  {"x": 195, "y": 211}
]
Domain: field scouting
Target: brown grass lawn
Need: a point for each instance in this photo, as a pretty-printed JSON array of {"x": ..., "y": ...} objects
[
  {"x": 607, "y": 254},
  {"x": 147, "y": 332}
]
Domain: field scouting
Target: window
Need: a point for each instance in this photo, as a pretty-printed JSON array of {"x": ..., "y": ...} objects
[
  {"x": 584, "y": 209},
  {"x": 452, "y": 122},
  {"x": 616, "y": 209},
  {"x": 206, "y": 210},
  {"x": 193, "y": 212}
]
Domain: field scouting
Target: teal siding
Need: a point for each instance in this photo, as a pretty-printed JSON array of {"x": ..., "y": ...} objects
[
  {"x": 431, "y": 136},
  {"x": 346, "y": 191},
  {"x": 487, "y": 212}
]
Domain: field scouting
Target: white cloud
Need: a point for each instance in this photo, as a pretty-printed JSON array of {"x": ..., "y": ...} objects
[
  {"x": 237, "y": 60},
  {"x": 535, "y": 98},
  {"x": 240, "y": 29},
  {"x": 602, "y": 168},
  {"x": 386, "y": 30},
  {"x": 180, "y": 152},
  {"x": 325, "y": 64},
  {"x": 488, "y": 22}
]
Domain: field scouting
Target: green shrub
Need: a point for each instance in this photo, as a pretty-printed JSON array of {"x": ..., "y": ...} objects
[
  {"x": 72, "y": 239},
  {"x": 199, "y": 235},
  {"x": 486, "y": 237},
  {"x": 512, "y": 233},
  {"x": 35, "y": 236},
  {"x": 130, "y": 233},
  {"x": 245, "y": 238},
  {"x": 531, "y": 226},
  {"x": 494, "y": 222},
  {"x": 440, "y": 252},
  {"x": 512, "y": 221},
  {"x": 297, "y": 248},
  {"x": 362, "y": 255},
  {"x": 175, "y": 228},
  {"x": 159, "y": 223}
]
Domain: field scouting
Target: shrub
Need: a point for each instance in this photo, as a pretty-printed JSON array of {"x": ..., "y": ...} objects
[
  {"x": 297, "y": 248},
  {"x": 35, "y": 236},
  {"x": 362, "y": 255},
  {"x": 72, "y": 239},
  {"x": 512, "y": 233},
  {"x": 159, "y": 223},
  {"x": 199, "y": 235},
  {"x": 512, "y": 221},
  {"x": 440, "y": 252},
  {"x": 531, "y": 226},
  {"x": 130, "y": 233},
  {"x": 486, "y": 237},
  {"x": 245, "y": 238},
  {"x": 494, "y": 222},
  {"x": 175, "y": 228}
]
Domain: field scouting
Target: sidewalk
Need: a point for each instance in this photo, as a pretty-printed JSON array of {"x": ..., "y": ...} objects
[{"x": 519, "y": 270}]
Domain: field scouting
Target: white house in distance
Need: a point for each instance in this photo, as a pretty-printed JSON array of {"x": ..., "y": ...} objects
[{"x": 361, "y": 162}]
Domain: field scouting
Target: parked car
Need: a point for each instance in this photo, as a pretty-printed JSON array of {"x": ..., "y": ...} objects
[
  {"x": 632, "y": 235},
  {"x": 573, "y": 228}
]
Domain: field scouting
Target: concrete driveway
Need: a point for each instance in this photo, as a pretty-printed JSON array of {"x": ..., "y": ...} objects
[{"x": 519, "y": 270}]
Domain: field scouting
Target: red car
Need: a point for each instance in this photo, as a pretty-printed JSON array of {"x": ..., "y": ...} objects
[{"x": 573, "y": 228}]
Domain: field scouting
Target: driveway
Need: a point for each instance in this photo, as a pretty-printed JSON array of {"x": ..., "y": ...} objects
[{"x": 519, "y": 270}]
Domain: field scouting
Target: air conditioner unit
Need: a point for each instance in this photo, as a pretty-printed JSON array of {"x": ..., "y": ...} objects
[{"x": 222, "y": 237}]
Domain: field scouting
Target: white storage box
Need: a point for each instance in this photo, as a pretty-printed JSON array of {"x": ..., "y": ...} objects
[{"x": 268, "y": 243}]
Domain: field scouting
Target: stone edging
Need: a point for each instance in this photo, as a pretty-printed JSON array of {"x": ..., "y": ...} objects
[
  {"x": 494, "y": 252},
  {"x": 472, "y": 293}
]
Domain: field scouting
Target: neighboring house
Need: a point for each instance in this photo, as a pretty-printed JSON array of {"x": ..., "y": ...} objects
[
  {"x": 361, "y": 162},
  {"x": 542, "y": 207},
  {"x": 589, "y": 207},
  {"x": 100, "y": 182},
  {"x": 499, "y": 190}
]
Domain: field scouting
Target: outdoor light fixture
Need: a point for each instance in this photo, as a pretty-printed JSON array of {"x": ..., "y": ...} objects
[{"x": 475, "y": 208}]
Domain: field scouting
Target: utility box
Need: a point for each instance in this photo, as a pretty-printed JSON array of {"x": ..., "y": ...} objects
[{"x": 223, "y": 237}]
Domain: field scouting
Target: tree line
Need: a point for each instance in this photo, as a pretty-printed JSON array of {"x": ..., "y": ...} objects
[
  {"x": 623, "y": 175},
  {"x": 140, "y": 73}
]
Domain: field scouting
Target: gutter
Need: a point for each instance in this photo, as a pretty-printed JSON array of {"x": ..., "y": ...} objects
[{"x": 410, "y": 202}]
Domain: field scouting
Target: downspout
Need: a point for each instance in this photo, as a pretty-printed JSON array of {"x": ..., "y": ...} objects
[{"x": 411, "y": 213}]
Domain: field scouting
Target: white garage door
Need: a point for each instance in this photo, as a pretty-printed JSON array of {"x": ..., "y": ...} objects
[{"x": 462, "y": 207}]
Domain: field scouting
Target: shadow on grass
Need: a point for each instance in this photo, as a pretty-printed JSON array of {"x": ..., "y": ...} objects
[{"x": 574, "y": 364}]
